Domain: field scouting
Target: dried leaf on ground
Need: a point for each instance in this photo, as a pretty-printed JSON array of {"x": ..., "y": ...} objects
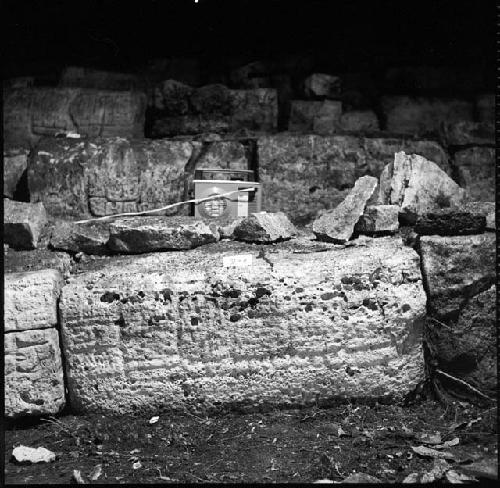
[
  {"x": 430, "y": 438},
  {"x": 453, "y": 477},
  {"x": 96, "y": 473},
  {"x": 77, "y": 477}
]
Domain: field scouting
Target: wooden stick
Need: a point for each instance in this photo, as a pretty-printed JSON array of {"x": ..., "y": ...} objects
[{"x": 470, "y": 387}]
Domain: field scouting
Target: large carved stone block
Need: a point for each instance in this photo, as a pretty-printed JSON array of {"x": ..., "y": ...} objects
[{"x": 225, "y": 325}]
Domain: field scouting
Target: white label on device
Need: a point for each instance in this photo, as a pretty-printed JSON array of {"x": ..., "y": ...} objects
[
  {"x": 243, "y": 204},
  {"x": 237, "y": 260}
]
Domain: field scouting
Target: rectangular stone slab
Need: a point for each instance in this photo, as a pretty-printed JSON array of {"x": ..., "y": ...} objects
[
  {"x": 30, "y": 299},
  {"x": 227, "y": 325},
  {"x": 34, "y": 383}
]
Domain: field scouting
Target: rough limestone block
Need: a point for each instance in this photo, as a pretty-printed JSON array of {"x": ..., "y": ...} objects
[
  {"x": 321, "y": 117},
  {"x": 224, "y": 325},
  {"x": 485, "y": 107},
  {"x": 33, "y": 112},
  {"x": 23, "y": 223},
  {"x": 476, "y": 171},
  {"x": 378, "y": 220},
  {"x": 212, "y": 108},
  {"x": 108, "y": 176},
  {"x": 359, "y": 120},
  {"x": 30, "y": 455},
  {"x": 420, "y": 116},
  {"x": 38, "y": 259},
  {"x": 148, "y": 234},
  {"x": 455, "y": 269},
  {"x": 338, "y": 224},
  {"x": 31, "y": 299},
  {"x": 15, "y": 162},
  {"x": 90, "y": 238},
  {"x": 322, "y": 85},
  {"x": 34, "y": 383},
  {"x": 452, "y": 222},
  {"x": 304, "y": 174},
  {"x": 418, "y": 186},
  {"x": 264, "y": 227},
  {"x": 80, "y": 77},
  {"x": 465, "y": 132}
]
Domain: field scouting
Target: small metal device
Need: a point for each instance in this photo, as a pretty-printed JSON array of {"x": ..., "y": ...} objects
[{"x": 212, "y": 182}]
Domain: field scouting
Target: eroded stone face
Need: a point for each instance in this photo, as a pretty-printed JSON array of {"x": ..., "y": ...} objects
[
  {"x": 31, "y": 299},
  {"x": 34, "y": 383},
  {"x": 23, "y": 223},
  {"x": 221, "y": 326},
  {"x": 108, "y": 176}
]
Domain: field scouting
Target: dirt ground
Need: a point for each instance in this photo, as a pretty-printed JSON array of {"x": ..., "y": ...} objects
[{"x": 278, "y": 446}]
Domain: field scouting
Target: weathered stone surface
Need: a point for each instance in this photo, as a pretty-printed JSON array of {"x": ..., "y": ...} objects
[
  {"x": 485, "y": 107},
  {"x": 108, "y": 176},
  {"x": 214, "y": 108},
  {"x": 31, "y": 299},
  {"x": 448, "y": 222},
  {"x": 359, "y": 120},
  {"x": 30, "y": 455},
  {"x": 322, "y": 85},
  {"x": 455, "y": 269},
  {"x": 23, "y": 223},
  {"x": 18, "y": 82},
  {"x": 264, "y": 227},
  {"x": 183, "y": 330},
  {"x": 38, "y": 259},
  {"x": 378, "y": 219},
  {"x": 320, "y": 117},
  {"x": 225, "y": 155},
  {"x": 33, "y": 112},
  {"x": 15, "y": 162},
  {"x": 420, "y": 116},
  {"x": 172, "y": 96},
  {"x": 252, "y": 75},
  {"x": 34, "y": 383},
  {"x": 361, "y": 478},
  {"x": 337, "y": 225},
  {"x": 476, "y": 170},
  {"x": 90, "y": 238},
  {"x": 304, "y": 174},
  {"x": 418, "y": 186},
  {"x": 80, "y": 77},
  {"x": 147, "y": 234},
  {"x": 434, "y": 79},
  {"x": 481, "y": 208},
  {"x": 465, "y": 132},
  {"x": 466, "y": 348}
]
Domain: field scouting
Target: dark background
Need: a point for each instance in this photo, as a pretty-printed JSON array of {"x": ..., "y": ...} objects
[{"x": 43, "y": 35}]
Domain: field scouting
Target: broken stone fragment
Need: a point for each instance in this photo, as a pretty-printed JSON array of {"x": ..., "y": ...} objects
[
  {"x": 148, "y": 234},
  {"x": 322, "y": 85},
  {"x": 361, "y": 478},
  {"x": 264, "y": 227},
  {"x": 15, "y": 162},
  {"x": 89, "y": 237},
  {"x": 449, "y": 222},
  {"x": 418, "y": 186},
  {"x": 378, "y": 219},
  {"x": 359, "y": 120},
  {"x": 23, "y": 223},
  {"x": 30, "y": 455},
  {"x": 337, "y": 225}
]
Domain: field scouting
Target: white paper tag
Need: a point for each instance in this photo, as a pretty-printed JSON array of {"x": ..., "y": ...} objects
[{"x": 237, "y": 260}]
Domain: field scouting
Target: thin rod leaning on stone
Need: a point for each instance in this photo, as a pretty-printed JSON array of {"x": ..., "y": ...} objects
[{"x": 135, "y": 214}]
